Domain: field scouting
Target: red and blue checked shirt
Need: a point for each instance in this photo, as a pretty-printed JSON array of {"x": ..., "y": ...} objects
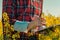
[{"x": 22, "y": 10}]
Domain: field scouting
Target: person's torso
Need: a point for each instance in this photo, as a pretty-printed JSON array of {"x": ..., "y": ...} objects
[{"x": 21, "y": 10}]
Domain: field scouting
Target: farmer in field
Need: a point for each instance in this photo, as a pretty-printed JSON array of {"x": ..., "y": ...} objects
[{"x": 22, "y": 10}]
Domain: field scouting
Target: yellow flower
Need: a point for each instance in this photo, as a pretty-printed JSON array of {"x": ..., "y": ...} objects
[
  {"x": 5, "y": 16},
  {"x": 39, "y": 35},
  {"x": 57, "y": 30},
  {"x": 47, "y": 38},
  {"x": 53, "y": 35},
  {"x": 12, "y": 27},
  {"x": 59, "y": 38},
  {"x": 52, "y": 20}
]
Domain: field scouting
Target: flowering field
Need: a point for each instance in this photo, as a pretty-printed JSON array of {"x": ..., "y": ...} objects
[
  {"x": 52, "y": 33},
  {"x": 1, "y": 30}
]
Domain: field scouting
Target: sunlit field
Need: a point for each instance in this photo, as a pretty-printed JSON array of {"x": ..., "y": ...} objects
[
  {"x": 0, "y": 27},
  {"x": 51, "y": 33},
  {"x": 1, "y": 30}
]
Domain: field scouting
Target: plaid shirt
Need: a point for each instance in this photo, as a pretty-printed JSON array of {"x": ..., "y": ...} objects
[{"x": 22, "y": 10}]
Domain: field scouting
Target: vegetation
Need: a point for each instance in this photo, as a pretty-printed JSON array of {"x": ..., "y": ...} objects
[
  {"x": 51, "y": 21},
  {"x": 1, "y": 30}
]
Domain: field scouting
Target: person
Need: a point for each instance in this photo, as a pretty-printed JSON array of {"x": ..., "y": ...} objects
[
  {"x": 22, "y": 10},
  {"x": 36, "y": 24}
]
